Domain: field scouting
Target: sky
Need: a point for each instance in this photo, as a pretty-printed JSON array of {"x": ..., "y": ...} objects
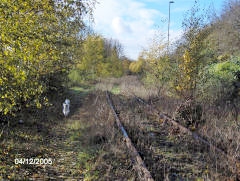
[{"x": 134, "y": 22}]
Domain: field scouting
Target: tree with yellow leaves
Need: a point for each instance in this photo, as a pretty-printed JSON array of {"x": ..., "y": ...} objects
[
  {"x": 136, "y": 67},
  {"x": 186, "y": 77},
  {"x": 100, "y": 58},
  {"x": 37, "y": 46},
  {"x": 194, "y": 57}
]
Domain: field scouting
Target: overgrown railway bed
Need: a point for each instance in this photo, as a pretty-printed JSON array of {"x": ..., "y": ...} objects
[{"x": 167, "y": 152}]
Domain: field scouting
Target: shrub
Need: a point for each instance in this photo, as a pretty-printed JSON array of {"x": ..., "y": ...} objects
[{"x": 217, "y": 81}]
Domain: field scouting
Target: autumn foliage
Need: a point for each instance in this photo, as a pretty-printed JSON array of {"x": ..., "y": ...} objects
[{"x": 37, "y": 43}]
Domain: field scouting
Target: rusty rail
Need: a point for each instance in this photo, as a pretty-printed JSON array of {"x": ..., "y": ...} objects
[
  {"x": 139, "y": 165},
  {"x": 234, "y": 161}
]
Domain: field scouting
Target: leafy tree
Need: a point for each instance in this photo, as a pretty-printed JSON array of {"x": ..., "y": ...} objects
[
  {"x": 37, "y": 41},
  {"x": 136, "y": 67},
  {"x": 92, "y": 55},
  {"x": 195, "y": 52},
  {"x": 100, "y": 58},
  {"x": 126, "y": 65},
  {"x": 186, "y": 78},
  {"x": 157, "y": 67},
  {"x": 113, "y": 58}
]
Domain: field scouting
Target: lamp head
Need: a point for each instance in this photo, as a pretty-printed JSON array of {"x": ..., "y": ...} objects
[{"x": 171, "y": 2}]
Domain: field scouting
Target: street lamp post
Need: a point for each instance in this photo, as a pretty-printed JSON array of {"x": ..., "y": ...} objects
[{"x": 170, "y": 2}]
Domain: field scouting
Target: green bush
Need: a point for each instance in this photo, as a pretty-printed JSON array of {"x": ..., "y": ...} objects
[
  {"x": 217, "y": 81},
  {"x": 75, "y": 77}
]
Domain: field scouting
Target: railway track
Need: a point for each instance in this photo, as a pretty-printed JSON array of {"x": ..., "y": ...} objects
[
  {"x": 195, "y": 135},
  {"x": 140, "y": 167},
  {"x": 165, "y": 149}
]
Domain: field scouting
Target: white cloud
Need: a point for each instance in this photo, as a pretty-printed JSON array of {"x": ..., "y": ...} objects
[
  {"x": 119, "y": 26},
  {"x": 129, "y": 21}
]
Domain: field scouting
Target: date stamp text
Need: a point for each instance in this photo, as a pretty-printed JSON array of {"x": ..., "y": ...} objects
[{"x": 33, "y": 161}]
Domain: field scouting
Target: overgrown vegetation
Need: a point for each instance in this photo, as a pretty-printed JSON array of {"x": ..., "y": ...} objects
[
  {"x": 46, "y": 48},
  {"x": 85, "y": 146},
  {"x": 168, "y": 152},
  {"x": 200, "y": 67},
  {"x": 37, "y": 42},
  {"x": 100, "y": 58}
]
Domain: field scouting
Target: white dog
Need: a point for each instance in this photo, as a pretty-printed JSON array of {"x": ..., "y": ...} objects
[{"x": 66, "y": 107}]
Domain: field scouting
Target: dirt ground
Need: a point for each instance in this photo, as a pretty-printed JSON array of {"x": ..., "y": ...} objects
[
  {"x": 83, "y": 146},
  {"x": 87, "y": 145}
]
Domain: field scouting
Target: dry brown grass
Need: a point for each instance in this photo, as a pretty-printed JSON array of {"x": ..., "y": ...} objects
[
  {"x": 218, "y": 126},
  {"x": 112, "y": 162},
  {"x": 127, "y": 85},
  {"x": 166, "y": 151},
  {"x": 221, "y": 129}
]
